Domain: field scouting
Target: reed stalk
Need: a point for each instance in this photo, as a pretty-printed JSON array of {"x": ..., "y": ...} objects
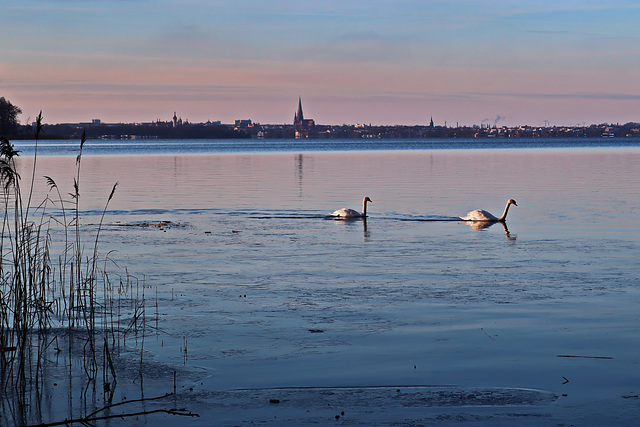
[{"x": 39, "y": 297}]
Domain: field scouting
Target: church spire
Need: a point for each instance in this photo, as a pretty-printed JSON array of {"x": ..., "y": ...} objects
[
  {"x": 298, "y": 118},
  {"x": 300, "y": 115},
  {"x": 301, "y": 125}
]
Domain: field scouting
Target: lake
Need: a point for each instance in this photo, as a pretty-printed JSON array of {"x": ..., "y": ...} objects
[{"x": 273, "y": 313}]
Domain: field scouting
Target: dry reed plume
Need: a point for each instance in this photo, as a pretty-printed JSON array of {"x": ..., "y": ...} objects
[{"x": 56, "y": 296}]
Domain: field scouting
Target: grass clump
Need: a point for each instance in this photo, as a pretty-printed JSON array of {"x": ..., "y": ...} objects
[{"x": 56, "y": 297}]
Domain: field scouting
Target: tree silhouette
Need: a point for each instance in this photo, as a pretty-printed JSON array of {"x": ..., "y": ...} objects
[{"x": 8, "y": 117}]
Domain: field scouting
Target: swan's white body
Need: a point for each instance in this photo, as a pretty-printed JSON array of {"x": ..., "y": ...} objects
[
  {"x": 352, "y": 213},
  {"x": 481, "y": 215}
]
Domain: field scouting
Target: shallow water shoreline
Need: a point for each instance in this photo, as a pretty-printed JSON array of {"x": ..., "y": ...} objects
[{"x": 260, "y": 296}]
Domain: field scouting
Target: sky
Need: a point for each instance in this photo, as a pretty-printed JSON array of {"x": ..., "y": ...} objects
[{"x": 397, "y": 62}]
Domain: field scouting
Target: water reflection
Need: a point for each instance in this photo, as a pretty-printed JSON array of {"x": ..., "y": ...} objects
[
  {"x": 365, "y": 231},
  {"x": 299, "y": 169},
  {"x": 254, "y": 223},
  {"x": 351, "y": 221},
  {"x": 405, "y": 185},
  {"x": 483, "y": 225}
]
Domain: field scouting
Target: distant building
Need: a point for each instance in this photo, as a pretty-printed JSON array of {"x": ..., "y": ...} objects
[
  {"x": 176, "y": 121},
  {"x": 93, "y": 122},
  {"x": 300, "y": 124},
  {"x": 243, "y": 123}
]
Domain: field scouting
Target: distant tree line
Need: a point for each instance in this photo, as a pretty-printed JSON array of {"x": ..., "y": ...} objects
[
  {"x": 156, "y": 130},
  {"x": 10, "y": 128}
]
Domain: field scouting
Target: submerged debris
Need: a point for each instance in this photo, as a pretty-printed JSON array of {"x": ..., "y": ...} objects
[{"x": 150, "y": 224}]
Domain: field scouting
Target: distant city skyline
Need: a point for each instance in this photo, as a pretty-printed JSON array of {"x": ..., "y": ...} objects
[{"x": 384, "y": 62}]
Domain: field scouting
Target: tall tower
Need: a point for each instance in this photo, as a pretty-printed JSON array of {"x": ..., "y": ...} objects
[{"x": 298, "y": 117}]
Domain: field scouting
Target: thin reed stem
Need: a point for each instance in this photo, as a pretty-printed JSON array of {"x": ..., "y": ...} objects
[{"x": 34, "y": 296}]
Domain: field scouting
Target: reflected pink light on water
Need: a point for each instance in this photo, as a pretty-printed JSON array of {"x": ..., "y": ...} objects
[{"x": 450, "y": 183}]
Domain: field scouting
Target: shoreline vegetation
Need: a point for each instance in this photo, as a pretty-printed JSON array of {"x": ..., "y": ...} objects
[
  {"x": 245, "y": 129},
  {"x": 62, "y": 299}
]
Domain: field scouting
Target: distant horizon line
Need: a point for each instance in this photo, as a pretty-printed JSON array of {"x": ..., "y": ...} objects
[{"x": 483, "y": 124}]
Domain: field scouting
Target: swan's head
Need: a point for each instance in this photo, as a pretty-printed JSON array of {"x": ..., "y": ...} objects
[
  {"x": 366, "y": 199},
  {"x": 512, "y": 202}
]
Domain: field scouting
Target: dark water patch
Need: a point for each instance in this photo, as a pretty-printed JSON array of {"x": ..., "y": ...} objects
[
  {"x": 372, "y": 405},
  {"x": 401, "y": 395},
  {"x": 274, "y": 214},
  {"x": 162, "y": 224},
  {"x": 291, "y": 216},
  {"x": 427, "y": 218}
]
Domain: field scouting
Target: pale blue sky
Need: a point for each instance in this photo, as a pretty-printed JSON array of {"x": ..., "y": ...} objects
[{"x": 380, "y": 62}]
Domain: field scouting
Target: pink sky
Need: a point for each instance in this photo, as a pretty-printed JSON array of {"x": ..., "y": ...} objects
[{"x": 391, "y": 63}]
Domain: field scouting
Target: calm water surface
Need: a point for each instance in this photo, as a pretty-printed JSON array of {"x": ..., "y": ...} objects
[{"x": 271, "y": 293}]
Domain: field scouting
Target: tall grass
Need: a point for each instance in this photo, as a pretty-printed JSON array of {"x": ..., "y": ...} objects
[{"x": 55, "y": 294}]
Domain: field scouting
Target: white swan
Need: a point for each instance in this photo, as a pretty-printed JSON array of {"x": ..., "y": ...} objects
[
  {"x": 480, "y": 215},
  {"x": 352, "y": 213}
]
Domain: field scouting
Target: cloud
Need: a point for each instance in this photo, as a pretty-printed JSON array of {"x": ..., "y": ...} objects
[
  {"x": 576, "y": 96},
  {"x": 364, "y": 37},
  {"x": 105, "y": 89},
  {"x": 182, "y": 37},
  {"x": 356, "y": 47}
]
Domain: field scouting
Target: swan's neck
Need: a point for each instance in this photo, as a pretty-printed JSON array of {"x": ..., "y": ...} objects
[
  {"x": 364, "y": 208},
  {"x": 504, "y": 214}
]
